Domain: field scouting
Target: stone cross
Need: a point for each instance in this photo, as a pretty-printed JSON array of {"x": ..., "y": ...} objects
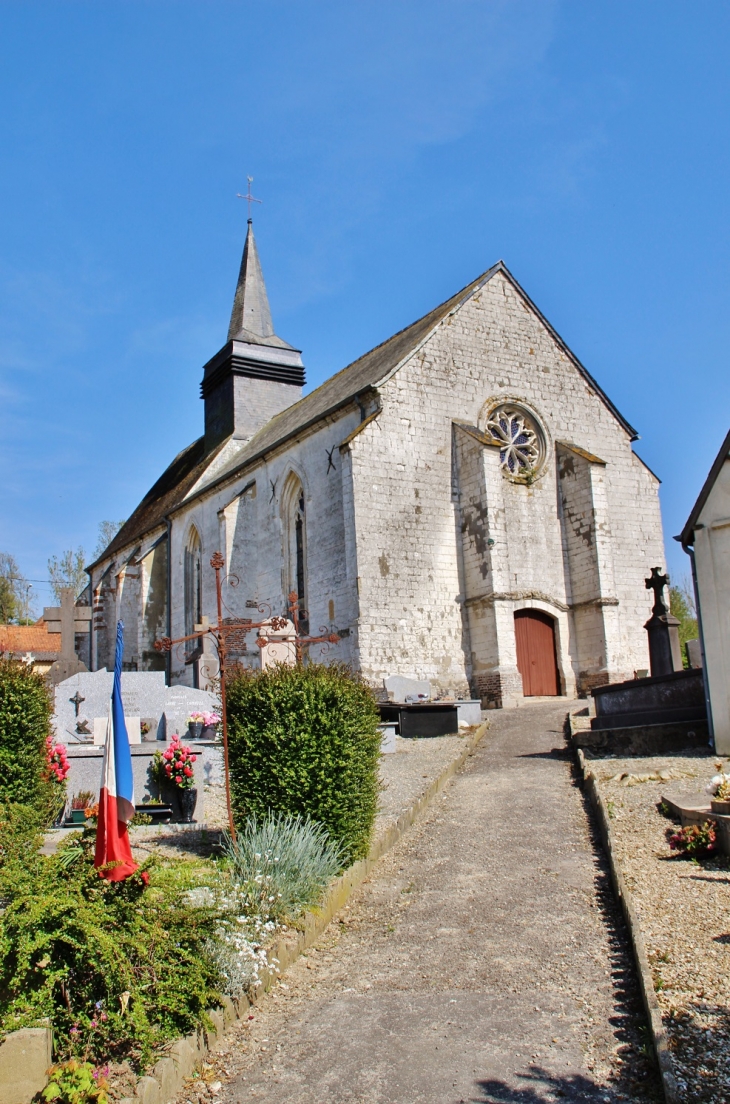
[
  {"x": 68, "y": 619},
  {"x": 77, "y": 700},
  {"x": 665, "y": 655},
  {"x": 657, "y": 582}
]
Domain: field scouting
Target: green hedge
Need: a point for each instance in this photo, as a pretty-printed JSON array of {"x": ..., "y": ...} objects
[
  {"x": 304, "y": 741},
  {"x": 25, "y": 719}
]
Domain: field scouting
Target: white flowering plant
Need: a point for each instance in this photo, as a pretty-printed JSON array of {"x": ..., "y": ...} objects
[{"x": 719, "y": 785}]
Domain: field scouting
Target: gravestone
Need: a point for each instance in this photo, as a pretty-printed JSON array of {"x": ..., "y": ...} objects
[
  {"x": 280, "y": 646},
  {"x": 402, "y": 689},
  {"x": 665, "y": 654},
  {"x": 694, "y": 653},
  {"x": 85, "y": 696}
]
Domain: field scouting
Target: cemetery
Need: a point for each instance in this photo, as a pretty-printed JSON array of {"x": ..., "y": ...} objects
[{"x": 94, "y": 962}]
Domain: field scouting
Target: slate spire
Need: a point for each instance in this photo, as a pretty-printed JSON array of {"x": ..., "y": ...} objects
[{"x": 251, "y": 313}]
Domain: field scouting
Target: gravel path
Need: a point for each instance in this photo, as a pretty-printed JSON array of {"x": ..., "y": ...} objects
[
  {"x": 684, "y": 915},
  {"x": 484, "y": 960}
]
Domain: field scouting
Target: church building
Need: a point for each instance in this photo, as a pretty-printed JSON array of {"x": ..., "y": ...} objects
[{"x": 461, "y": 504}]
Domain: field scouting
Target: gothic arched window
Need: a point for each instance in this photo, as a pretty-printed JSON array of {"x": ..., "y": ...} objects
[
  {"x": 296, "y": 545},
  {"x": 193, "y": 585}
]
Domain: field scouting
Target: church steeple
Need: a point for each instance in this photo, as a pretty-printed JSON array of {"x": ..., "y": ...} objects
[
  {"x": 256, "y": 374},
  {"x": 251, "y": 313}
]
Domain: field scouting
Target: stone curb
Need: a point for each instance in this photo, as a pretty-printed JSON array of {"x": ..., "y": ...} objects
[
  {"x": 646, "y": 981},
  {"x": 168, "y": 1074}
]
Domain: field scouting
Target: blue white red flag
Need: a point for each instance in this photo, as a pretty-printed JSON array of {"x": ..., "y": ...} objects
[{"x": 116, "y": 801}]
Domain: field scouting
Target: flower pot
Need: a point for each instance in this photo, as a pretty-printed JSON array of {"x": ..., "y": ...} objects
[
  {"x": 188, "y": 799},
  {"x": 722, "y": 807},
  {"x": 78, "y": 816},
  {"x": 209, "y": 732},
  {"x": 195, "y": 730}
]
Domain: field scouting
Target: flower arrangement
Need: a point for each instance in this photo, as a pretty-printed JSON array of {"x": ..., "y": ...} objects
[
  {"x": 196, "y": 718},
  {"x": 175, "y": 765},
  {"x": 210, "y": 720},
  {"x": 694, "y": 840},
  {"x": 719, "y": 785},
  {"x": 58, "y": 764},
  {"x": 84, "y": 799}
]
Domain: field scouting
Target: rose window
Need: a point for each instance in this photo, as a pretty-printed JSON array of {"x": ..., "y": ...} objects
[{"x": 520, "y": 441}]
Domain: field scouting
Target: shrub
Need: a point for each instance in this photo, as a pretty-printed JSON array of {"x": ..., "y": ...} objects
[
  {"x": 25, "y": 718},
  {"x": 695, "y": 840},
  {"x": 282, "y": 865},
  {"x": 304, "y": 741},
  {"x": 118, "y": 967}
]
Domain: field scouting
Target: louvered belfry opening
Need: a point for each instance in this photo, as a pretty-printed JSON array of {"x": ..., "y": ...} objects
[{"x": 536, "y": 654}]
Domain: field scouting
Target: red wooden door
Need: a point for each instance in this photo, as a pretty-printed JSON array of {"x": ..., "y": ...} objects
[{"x": 535, "y": 634}]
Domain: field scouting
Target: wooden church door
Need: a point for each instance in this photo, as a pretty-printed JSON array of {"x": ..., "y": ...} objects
[{"x": 536, "y": 662}]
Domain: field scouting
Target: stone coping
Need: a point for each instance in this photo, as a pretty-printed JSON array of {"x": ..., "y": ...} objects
[
  {"x": 646, "y": 981},
  {"x": 147, "y": 747}
]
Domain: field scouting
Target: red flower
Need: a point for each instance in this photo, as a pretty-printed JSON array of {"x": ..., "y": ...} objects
[
  {"x": 188, "y": 772},
  {"x": 145, "y": 877}
]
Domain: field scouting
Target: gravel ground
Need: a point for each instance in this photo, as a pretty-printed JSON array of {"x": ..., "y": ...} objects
[
  {"x": 684, "y": 915},
  {"x": 404, "y": 776},
  {"x": 484, "y": 959}
]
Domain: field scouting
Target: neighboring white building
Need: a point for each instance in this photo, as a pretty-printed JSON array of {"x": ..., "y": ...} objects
[
  {"x": 706, "y": 537},
  {"x": 462, "y": 503}
]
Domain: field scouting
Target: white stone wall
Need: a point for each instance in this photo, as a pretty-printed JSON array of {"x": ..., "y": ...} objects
[
  {"x": 493, "y": 349},
  {"x": 712, "y": 556}
]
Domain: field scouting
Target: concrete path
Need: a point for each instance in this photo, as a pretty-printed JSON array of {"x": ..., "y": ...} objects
[{"x": 484, "y": 960}]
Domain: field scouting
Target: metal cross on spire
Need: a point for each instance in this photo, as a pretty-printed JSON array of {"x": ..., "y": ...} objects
[{"x": 248, "y": 197}]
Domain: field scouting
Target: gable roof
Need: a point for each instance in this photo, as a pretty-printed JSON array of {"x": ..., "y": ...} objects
[
  {"x": 167, "y": 492},
  {"x": 338, "y": 391},
  {"x": 687, "y": 535}
]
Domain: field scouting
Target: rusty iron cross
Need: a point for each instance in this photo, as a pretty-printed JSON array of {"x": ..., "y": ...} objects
[{"x": 248, "y": 197}]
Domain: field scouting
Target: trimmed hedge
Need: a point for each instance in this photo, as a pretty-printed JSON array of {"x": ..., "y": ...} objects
[
  {"x": 305, "y": 741},
  {"x": 25, "y": 720}
]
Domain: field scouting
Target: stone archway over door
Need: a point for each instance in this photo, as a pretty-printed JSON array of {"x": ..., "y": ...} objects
[{"x": 536, "y": 659}]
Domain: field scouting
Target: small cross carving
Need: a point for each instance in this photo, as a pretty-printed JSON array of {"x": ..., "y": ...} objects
[
  {"x": 657, "y": 582},
  {"x": 77, "y": 700}
]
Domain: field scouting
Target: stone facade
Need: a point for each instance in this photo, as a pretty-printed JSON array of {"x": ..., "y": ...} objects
[{"x": 384, "y": 499}]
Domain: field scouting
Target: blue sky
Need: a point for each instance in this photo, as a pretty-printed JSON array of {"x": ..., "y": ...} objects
[{"x": 400, "y": 149}]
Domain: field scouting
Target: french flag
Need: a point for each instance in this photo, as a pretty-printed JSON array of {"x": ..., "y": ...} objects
[{"x": 116, "y": 801}]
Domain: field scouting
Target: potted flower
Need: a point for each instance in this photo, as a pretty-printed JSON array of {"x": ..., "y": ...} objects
[
  {"x": 210, "y": 725},
  {"x": 174, "y": 766},
  {"x": 80, "y": 802},
  {"x": 195, "y": 725},
  {"x": 719, "y": 790}
]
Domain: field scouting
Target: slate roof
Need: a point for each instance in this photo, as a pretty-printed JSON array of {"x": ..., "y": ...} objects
[
  {"x": 168, "y": 492},
  {"x": 687, "y": 535},
  {"x": 357, "y": 378}
]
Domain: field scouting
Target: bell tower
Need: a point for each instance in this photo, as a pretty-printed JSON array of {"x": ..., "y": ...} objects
[{"x": 255, "y": 375}]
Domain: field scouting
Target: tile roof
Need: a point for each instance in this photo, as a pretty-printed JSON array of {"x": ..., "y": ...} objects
[{"x": 29, "y": 638}]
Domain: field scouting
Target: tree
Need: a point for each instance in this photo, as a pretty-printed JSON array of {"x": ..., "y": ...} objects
[
  {"x": 107, "y": 532},
  {"x": 13, "y": 590},
  {"x": 682, "y": 606},
  {"x": 68, "y": 571}
]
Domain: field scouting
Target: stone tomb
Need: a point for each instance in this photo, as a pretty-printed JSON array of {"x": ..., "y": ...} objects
[{"x": 83, "y": 699}]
